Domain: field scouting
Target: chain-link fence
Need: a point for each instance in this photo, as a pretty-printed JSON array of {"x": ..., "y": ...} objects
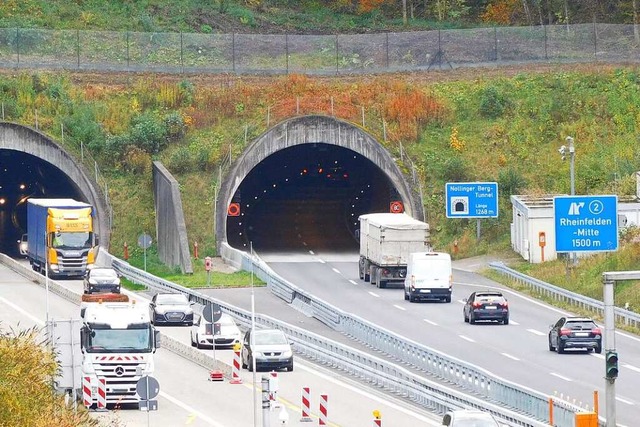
[{"x": 315, "y": 54}]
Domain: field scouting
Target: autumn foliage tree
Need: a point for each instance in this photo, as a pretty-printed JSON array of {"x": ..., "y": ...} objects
[{"x": 26, "y": 395}]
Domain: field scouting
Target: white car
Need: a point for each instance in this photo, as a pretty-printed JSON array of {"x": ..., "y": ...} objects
[
  {"x": 469, "y": 418},
  {"x": 227, "y": 333}
]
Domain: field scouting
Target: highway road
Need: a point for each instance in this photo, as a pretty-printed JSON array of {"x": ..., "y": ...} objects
[
  {"x": 517, "y": 352},
  {"x": 188, "y": 398}
]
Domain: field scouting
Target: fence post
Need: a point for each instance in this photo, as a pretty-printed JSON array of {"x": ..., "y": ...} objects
[
  {"x": 18, "y": 45},
  {"x": 495, "y": 43},
  {"x": 233, "y": 51},
  {"x": 78, "y": 48},
  {"x": 337, "y": 57},
  {"x": 387, "y": 48},
  {"x": 127, "y": 50},
  {"x": 181, "y": 52},
  {"x": 286, "y": 50},
  {"x": 546, "y": 55}
]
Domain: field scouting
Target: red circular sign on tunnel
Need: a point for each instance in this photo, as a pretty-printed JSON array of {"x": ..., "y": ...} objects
[
  {"x": 396, "y": 207},
  {"x": 234, "y": 209}
]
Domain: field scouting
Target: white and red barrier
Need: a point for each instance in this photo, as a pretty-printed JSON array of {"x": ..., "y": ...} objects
[
  {"x": 235, "y": 371},
  {"x": 87, "y": 399},
  {"x": 323, "y": 420},
  {"x": 101, "y": 392},
  {"x": 306, "y": 405},
  {"x": 273, "y": 389}
]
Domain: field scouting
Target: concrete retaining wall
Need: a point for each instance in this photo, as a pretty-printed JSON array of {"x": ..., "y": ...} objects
[{"x": 171, "y": 230}]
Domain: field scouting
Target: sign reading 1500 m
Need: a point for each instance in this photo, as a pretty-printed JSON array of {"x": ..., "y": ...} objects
[{"x": 586, "y": 223}]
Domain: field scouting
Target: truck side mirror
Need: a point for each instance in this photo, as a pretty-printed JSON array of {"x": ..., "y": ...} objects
[
  {"x": 156, "y": 338},
  {"x": 83, "y": 338},
  {"x": 97, "y": 240}
]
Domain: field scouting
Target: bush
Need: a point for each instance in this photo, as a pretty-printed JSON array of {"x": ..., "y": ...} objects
[
  {"x": 148, "y": 133},
  {"x": 180, "y": 160},
  {"x": 492, "y": 103}
]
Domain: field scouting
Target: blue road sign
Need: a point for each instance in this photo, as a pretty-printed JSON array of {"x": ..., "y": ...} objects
[
  {"x": 471, "y": 199},
  {"x": 586, "y": 223}
]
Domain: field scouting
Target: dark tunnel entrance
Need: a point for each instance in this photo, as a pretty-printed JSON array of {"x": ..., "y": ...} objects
[
  {"x": 307, "y": 197},
  {"x": 23, "y": 176}
]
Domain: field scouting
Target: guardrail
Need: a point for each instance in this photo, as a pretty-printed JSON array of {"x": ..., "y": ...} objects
[
  {"x": 626, "y": 317},
  {"x": 481, "y": 389}
]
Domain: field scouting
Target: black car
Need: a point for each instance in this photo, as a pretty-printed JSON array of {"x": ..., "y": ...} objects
[
  {"x": 171, "y": 309},
  {"x": 575, "y": 332},
  {"x": 101, "y": 279},
  {"x": 486, "y": 305}
]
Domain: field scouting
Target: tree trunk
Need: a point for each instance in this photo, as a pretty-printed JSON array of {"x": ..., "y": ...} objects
[{"x": 404, "y": 12}]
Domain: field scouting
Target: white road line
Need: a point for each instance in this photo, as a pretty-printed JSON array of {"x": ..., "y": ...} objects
[
  {"x": 321, "y": 261},
  {"x": 510, "y": 356},
  {"x": 431, "y": 322},
  {"x": 357, "y": 389},
  {"x": 599, "y": 356},
  {"x": 628, "y": 402},
  {"x": 466, "y": 338},
  {"x": 633, "y": 368},
  {"x": 399, "y": 307},
  {"x": 22, "y": 311},
  {"x": 190, "y": 410},
  {"x": 561, "y": 377},
  {"x": 311, "y": 252},
  {"x": 534, "y": 332},
  {"x": 514, "y": 323},
  {"x": 336, "y": 270},
  {"x": 353, "y": 282},
  {"x": 373, "y": 294}
]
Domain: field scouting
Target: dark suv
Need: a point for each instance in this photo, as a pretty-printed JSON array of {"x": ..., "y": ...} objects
[
  {"x": 486, "y": 305},
  {"x": 575, "y": 332}
]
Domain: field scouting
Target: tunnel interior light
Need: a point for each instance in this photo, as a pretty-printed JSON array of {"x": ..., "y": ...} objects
[
  {"x": 2, "y": 200},
  {"x": 22, "y": 186}
]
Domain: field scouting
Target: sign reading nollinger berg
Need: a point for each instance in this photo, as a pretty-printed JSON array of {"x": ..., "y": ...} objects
[
  {"x": 471, "y": 199},
  {"x": 586, "y": 223}
]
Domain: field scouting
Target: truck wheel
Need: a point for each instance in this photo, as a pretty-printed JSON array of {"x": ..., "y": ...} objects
[
  {"x": 382, "y": 284},
  {"x": 406, "y": 297},
  {"x": 412, "y": 298}
]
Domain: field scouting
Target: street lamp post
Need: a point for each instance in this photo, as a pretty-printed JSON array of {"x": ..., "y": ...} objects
[{"x": 572, "y": 161}]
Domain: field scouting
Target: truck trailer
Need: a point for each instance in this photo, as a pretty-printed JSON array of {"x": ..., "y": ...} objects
[
  {"x": 61, "y": 238},
  {"x": 386, "y": 240},
  {"x": 117, "y": 341}
]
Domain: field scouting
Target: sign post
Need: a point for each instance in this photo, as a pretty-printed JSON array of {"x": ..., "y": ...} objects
[
  {"x": 144, "y": 241},
  {"x": 586, "y": 223},
  {"x": 212, "y": 313}
]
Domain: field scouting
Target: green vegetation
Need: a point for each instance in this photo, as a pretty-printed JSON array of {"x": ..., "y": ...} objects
[{"x": 26, "y": 371}]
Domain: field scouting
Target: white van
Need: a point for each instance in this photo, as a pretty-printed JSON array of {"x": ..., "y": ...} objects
[{"x": 429, "y": 276}]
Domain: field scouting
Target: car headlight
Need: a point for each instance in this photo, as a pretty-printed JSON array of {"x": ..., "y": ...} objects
[{"x": 287, "y": 353}]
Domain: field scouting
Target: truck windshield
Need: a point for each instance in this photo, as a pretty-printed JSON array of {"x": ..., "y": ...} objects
[
  {"x": 71, "y": 240},
  {"x": 120, "y": 341}
]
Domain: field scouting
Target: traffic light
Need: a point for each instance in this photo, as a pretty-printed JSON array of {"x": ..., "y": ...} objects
[{"x": 611, "y": 363}]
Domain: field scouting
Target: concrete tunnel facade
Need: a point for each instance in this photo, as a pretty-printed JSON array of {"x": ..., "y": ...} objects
[
  {"x": 30, "y": 141},
  {"x": 312, "y": 129}
]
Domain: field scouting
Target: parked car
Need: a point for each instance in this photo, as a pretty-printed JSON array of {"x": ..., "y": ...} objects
[
  {"x": 486, "y": 305},
  {"x": 575, "y": 332},
  {"x": 469, "y": 418},
  {"x": 171, "y": 309},
  {"x": 271, "y": 347},
  {"x": 101, "y": 279},
  {"x": 226, "y": 331}
]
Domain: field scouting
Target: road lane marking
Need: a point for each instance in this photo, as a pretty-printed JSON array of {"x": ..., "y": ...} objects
[
  {"x": 311, "y": 252},
  {"x": 373, "y": 294},
  {"x": 561, "y": 377},
  {"x": 399, "y": 307},
  {"x": 510, "y": 356},
  {"x": 430, "y": 322},
  {"x": 466, "y": 338},
  {"x": 514, "y": 323},
  {"x": 633, "y": 368},
  {"x": 336, "y": 270},
  {"x": 533, "y": 331},
  {"x": 628, "y": 402},
  {"x": 22, "y": 311},
  {"x": 191, "y": 410},
  {"x": 353, "y": 282}
]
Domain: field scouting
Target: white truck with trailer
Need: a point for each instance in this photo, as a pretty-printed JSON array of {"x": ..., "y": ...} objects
[
  {"x": 117, "y": 341},
  {"x": 429, "y": 277},
  {"x": 386, "y": 240}
]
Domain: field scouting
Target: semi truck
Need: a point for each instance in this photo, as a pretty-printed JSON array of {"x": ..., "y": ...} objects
[
  {"x": 61, "y": 238},
  {"x": 117, "y": 341},
  {"x": 386, "y": 240}
]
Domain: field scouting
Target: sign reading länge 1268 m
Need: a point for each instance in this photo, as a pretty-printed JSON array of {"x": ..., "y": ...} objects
[{"x": 471, "y": 199}]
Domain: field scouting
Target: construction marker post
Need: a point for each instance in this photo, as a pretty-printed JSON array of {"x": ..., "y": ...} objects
[
  {"x": 324, "y": 402},
  {"x": 235, "y": 371},
  {"x": 377, "y": 418},
  {"x": 306, "y": 405},
  {"x": 266, "y": 402},
  {"x": 273, "y": 389}
]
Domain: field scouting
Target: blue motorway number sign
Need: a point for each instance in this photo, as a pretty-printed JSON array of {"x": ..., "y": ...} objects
[
  {"x": 586, "y": 223},
  {"x": 471, "y": 199}
]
